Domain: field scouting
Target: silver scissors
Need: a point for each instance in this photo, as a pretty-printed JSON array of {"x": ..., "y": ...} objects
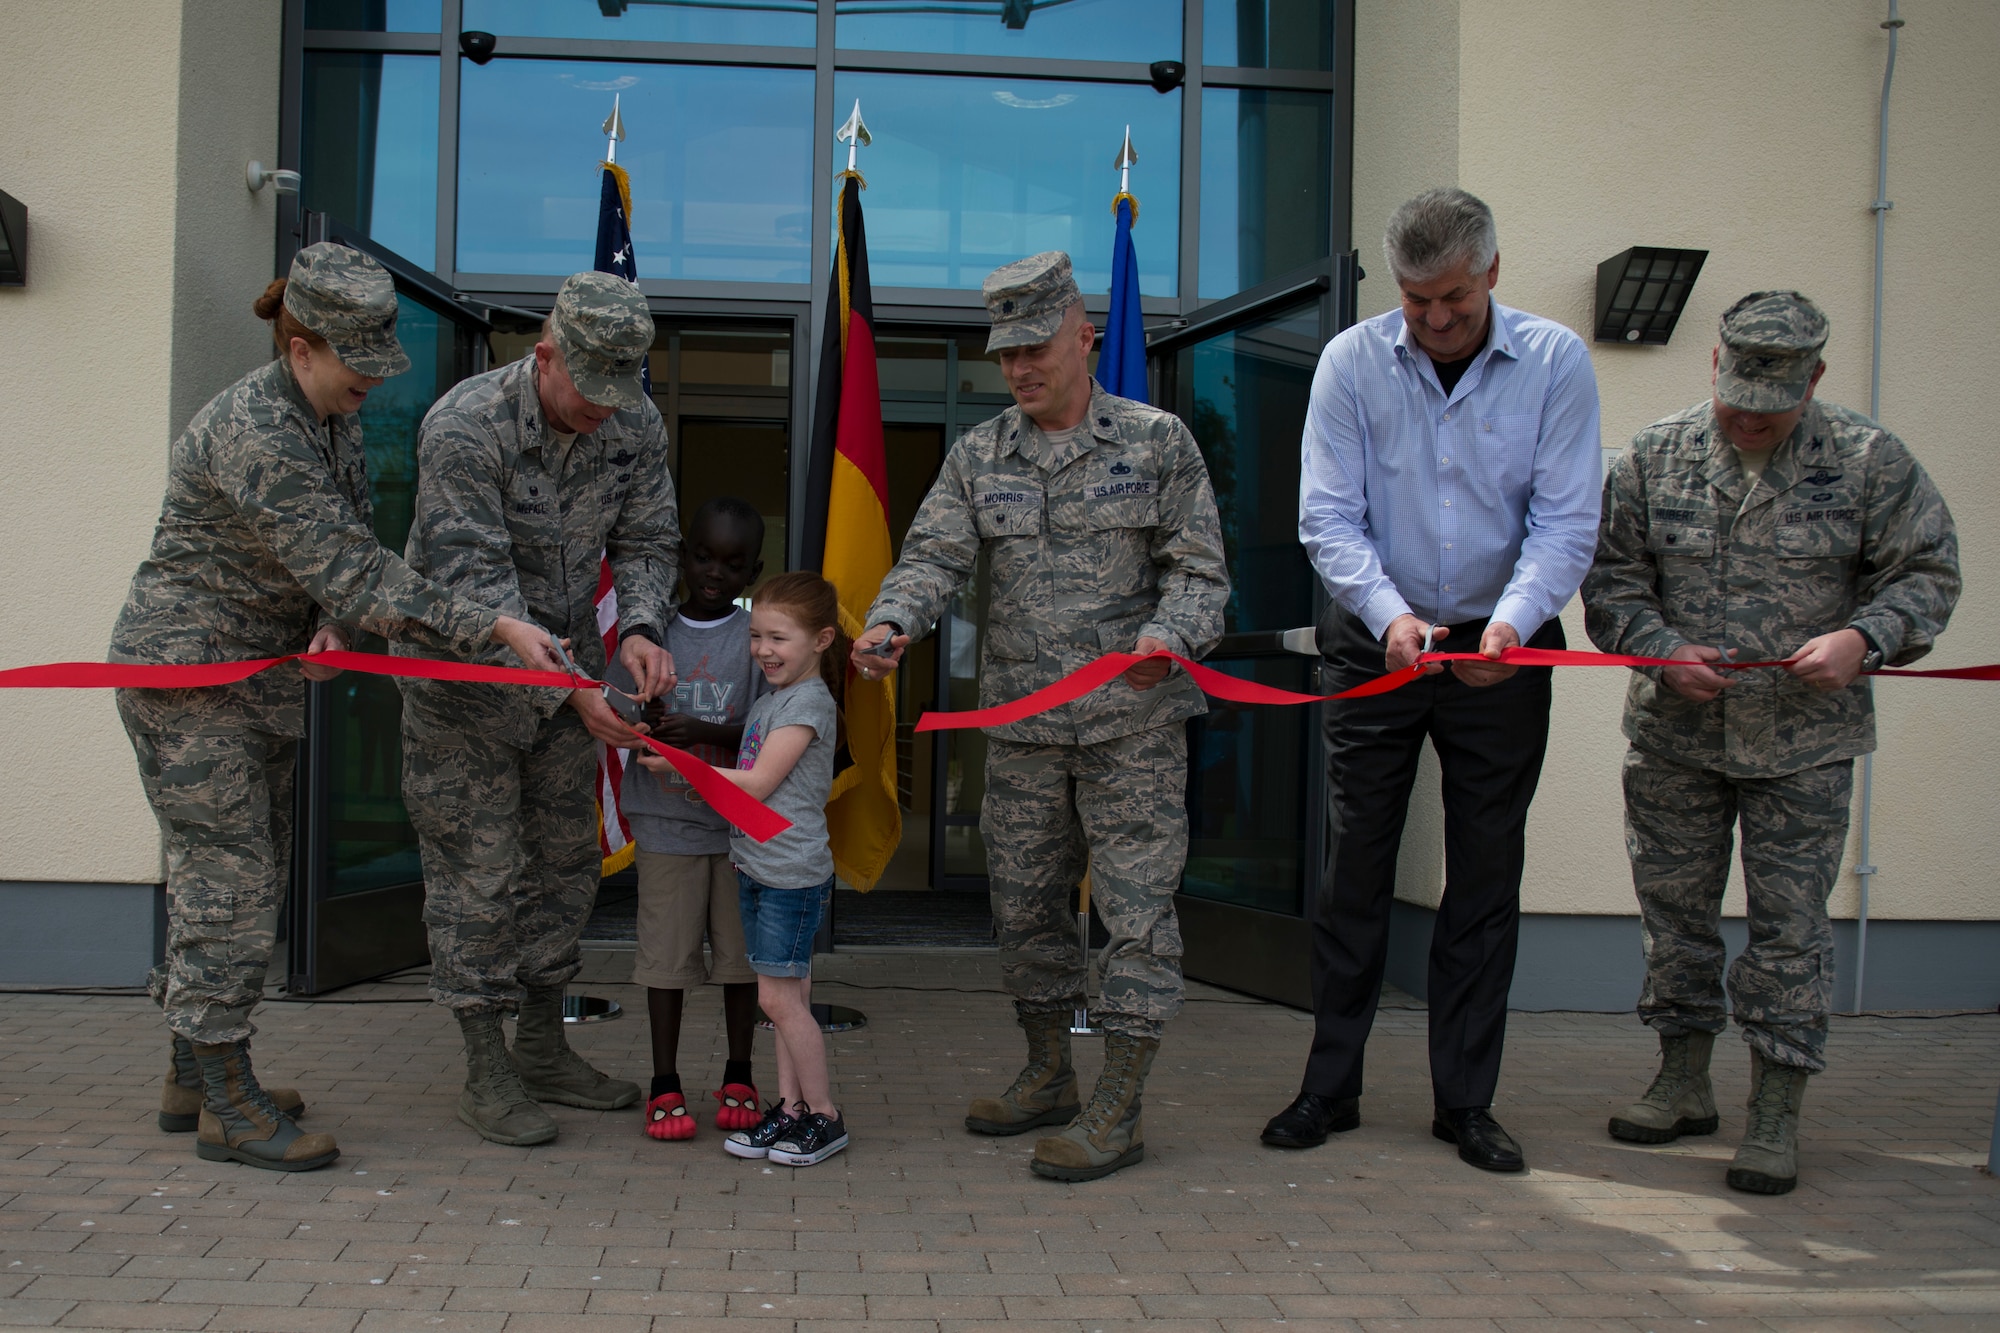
[
  {"x": 562, "y": 655},
  {"x": 1430, "y": 637}
]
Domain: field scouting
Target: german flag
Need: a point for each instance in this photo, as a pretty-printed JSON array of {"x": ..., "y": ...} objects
[{"x": 847, "y": 540}]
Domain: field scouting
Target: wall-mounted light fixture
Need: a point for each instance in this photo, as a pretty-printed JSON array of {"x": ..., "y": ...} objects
[
  {"x": 13, "y": 241},
  {"x": 281, "y": 180},
  {"x": 1641, "y": 293}
]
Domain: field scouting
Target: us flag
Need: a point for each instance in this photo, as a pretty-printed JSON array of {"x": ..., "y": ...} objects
[{"x": 614, "y": 255}]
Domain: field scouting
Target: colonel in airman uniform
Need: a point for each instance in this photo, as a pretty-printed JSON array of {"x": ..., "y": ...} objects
[
  {"x": 528, "y": 475},
  {"x": 1099, "y": 524},
  {"x": 1763, "y": 525},
  {"x": 265, "y": 548}
]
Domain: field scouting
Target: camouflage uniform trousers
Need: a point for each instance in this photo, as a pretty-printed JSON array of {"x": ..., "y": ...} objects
[
  {"x": 1678, "y": 825},
  {"x": 510, "y": 855},
  {"x": 224, "y": 802},
  {"x": 1125, "y": 801}
]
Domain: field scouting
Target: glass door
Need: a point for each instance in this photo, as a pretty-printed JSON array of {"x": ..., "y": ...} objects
[
  {"x": 356, "y": 906},
  {"x": 1255, "y": 783}
]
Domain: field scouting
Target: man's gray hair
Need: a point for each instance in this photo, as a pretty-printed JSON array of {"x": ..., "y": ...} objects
[{"x": 1440, "y": 231}]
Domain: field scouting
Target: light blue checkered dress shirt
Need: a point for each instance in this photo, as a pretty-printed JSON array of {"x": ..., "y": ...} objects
[{"x": 1452, "y": 507}]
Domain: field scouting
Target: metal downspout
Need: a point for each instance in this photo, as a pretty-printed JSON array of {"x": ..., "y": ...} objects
[{"x": 1864, "y": 869}]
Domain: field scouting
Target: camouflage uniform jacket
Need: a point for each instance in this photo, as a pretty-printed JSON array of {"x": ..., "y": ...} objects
[
  {"x": 1843, "y": 528},
  {"x": 506, "y": 517},
  {"x": 263, "y": 536},
  {"x": 1092, "y": 546}
]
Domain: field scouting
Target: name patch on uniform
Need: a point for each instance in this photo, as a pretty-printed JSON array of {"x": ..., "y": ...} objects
[
  {"x": 1849, "y": 514},
  {"x": 531, "y": 506},
  {"x": 988, "y": 499},
  {"x": 1674, "y": 515}
]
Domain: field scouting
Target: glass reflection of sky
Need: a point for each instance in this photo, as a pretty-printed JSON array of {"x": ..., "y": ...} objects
[
  {"x": 373, "y": 15},
  {"x": 724, "y": 22},
  {"x": 404, "y": 215},
  {"x": 1145, "y": 30},
  {"x": 967, "y": 174},
  {"x": 1264, "y": 185},
  {"x": 720, "y": 159}
]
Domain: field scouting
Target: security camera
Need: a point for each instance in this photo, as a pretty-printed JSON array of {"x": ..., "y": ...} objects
[
  {"x": 257, "y": 176},
  {"x": 477, "y": 46},
  {"x": 1167, "y": 74}
]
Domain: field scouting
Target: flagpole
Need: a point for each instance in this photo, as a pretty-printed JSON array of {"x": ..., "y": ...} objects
[{"x": 854, "y": 133}]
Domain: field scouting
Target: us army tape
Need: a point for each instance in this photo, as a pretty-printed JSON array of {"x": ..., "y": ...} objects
[
  {"x": 1222, "y": 686},
  {"x": 757, "y": 820}
]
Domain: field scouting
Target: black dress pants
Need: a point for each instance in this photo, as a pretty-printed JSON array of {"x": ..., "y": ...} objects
[{"x": 1490, "y": 741}]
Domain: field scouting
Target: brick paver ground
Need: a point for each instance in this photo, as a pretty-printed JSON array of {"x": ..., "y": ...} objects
[{"x": 107, "y": 1223}]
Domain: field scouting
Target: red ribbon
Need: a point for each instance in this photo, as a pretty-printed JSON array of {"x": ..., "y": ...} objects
[
  {"x": 757, "y": 820},
  {"x": 1236, "y": 690}
]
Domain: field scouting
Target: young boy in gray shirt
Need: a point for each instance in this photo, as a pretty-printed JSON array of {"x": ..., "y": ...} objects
[{"x": 687, "y": 888}]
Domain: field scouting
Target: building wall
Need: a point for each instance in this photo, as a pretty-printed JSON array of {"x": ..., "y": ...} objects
[
  {"x": 128, "y": 127},
  {"x": 1748, "y": 131}
]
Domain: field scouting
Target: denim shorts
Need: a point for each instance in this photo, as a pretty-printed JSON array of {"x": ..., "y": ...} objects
[{"x": 779, "y": 925}]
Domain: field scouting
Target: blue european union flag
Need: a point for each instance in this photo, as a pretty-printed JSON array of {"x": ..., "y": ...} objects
[{"x": 1121, "y": 362}]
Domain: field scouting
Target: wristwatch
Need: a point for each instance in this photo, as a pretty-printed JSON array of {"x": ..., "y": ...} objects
[{"x": 1871, "y": 658}]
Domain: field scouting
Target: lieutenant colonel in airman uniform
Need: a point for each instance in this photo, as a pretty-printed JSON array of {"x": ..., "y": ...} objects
[
  {"x": 527, "y": 475},
  {"x": 1100, "y": 526},
  {"x": 1763, "y": 525}
]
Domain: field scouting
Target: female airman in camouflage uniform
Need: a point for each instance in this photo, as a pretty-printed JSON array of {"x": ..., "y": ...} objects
[{"x": 264, "y": 548}]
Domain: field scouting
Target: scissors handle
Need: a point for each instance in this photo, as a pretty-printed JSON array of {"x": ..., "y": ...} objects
[
  {"x": 1430, "y": 637},
  {"x": 562, "y": 654}
]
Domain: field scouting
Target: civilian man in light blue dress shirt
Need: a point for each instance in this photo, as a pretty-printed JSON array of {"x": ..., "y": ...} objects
[{"x": 1449, "y": 488}]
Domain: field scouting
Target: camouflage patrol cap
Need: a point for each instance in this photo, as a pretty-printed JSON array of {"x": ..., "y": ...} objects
[
  {"x": 1771, "y": 343},
  {"x": 348, "y": 299},
  {"x": 1027, "y": 299},
  {"x": 602, "y": 328}
]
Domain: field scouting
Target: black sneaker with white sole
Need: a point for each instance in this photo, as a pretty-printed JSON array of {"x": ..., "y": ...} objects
[
  {"x": 810, "y": 1141},
  {"x": 756, "y": 1143}
]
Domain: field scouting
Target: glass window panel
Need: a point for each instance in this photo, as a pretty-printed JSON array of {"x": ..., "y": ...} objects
[
  {"x": 373, "y": 843},
  {"x": 751, "y": 358},
  {"x": 370, "y": 146},
  {"x": 967, "y": 174},
  {"x": 1268, "y": 34},
  {"x": 1246, "y": 794},
  {"x": 1144, "y": 30},
  {"x": 1265, "y": 185},
  {"x": 373, "y": 15},
  {"x": 723, "y": 22},
  {"x": 747, "y": 459},
  {"x": 1244, "y": 395},
  {"x": 720, "y": 159}
]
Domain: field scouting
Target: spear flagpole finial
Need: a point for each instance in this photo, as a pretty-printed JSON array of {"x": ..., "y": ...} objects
[
  {"x": 1127, "y": 155},
  {"x": 614, "y": 130},
  {"x": 853, "y": 133}
]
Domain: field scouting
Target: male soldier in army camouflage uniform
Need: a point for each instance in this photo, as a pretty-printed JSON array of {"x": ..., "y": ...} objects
[
  {"x": 1762, "y": 525},
  {"x": 264, "y": 548},
  {"x": 527, "y": 474},
  {"x": 1099, "y": 523}
]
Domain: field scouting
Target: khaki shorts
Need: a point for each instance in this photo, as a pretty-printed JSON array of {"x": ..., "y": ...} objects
[{"x": 681, "y": 900}]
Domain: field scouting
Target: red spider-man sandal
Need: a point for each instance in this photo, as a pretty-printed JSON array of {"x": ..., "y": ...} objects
[
  {"x": 738, "y": 1109},
  {"x": 667, "y": 1117}
]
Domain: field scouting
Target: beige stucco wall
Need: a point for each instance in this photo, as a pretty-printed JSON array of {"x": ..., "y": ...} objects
[
  {"x": 127, "y": 132},
  {"x": 1748, "y": 131}
]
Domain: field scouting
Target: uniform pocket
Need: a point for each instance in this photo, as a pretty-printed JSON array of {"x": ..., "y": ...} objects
[
  {"x": 1011, "y": 643},
  {"x": 1680, "y": 539},
  {"x": 1007, "y": 512},
  {"x": 1816, "y": 541},
  {"x": 1121, "y": 511}
]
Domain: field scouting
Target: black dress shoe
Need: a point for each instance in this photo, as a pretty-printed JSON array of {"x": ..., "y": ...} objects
[
  {"x": 1481, "y": 1142},
  {"x": 1310, "y": 1118}
]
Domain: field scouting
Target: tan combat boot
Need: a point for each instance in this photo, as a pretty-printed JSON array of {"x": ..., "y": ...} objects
[
  {"x": 1768, "y": 1160},
  {"x": 1043, "y": 1093},
  {"x": 550, "y": 1070},
  {"x": 1681, "y": 1099},
  {"x": 494, "y": 1103},
  {"x": 1109, "y": 1134},
  {"x": 239, "y": 1124},
  {"x": 181, "y": 1095}
]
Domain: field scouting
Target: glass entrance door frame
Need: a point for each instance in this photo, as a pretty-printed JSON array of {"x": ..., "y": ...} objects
[{"x": 335, "y": 939}]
